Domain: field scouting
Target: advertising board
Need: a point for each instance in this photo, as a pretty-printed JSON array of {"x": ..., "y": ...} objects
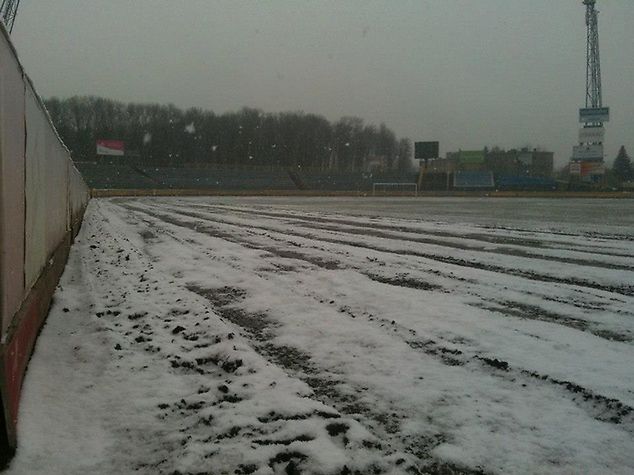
[
  {"x": 587, "y": 169},
  {"x": 525, "y": 158},
  {"x": 587, "y": 152},
  {"x": 598, "y": 114},
  {"x": 113, "y": 148},
  {"x": 471, "y": 156},
  {"x": 591, "y": 134},
  {"x": 575, "y": 168}
]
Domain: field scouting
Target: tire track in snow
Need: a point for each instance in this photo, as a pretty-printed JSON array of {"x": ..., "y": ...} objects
[
  {"x": 490, "y": 239},
  {"x": 627, "y": 290},
  {"x": 535, "y": 313},
  {"x": 327, "y": 386},
  {"x": 392, "y": 233},
  {"x": 194, "y": 354},
  {"x": 609, "y": 409}
]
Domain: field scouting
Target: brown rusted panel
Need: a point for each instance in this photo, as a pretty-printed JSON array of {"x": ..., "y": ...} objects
[{"x": 24, "y": 330}]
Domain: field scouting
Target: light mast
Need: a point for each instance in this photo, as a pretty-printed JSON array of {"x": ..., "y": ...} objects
[
  {"x": 587, "y": 157},
  {"x": 8, "y": 12}
]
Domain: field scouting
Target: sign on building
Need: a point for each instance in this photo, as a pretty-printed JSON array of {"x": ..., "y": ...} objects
[
  {"x": 587, "y": 152},
  {"x": 592, "y": 134},
  {"x": 471, "y": 157},
  {"x": 587, "y": 169},
  {"x": 114, "y": 148},
  {"x": 525, "y": 158},
  {"x": 598, "y": 114},
  {"x": 425, "y": 150}
]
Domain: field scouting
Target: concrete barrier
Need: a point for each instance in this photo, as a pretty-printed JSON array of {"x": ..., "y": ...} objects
[{"x": 42, "y": 201}]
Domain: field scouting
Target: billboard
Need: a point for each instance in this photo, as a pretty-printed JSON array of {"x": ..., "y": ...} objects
[
  {"x": 375, "y": 161},
  {"x": 587, "y": 169},
  {"x": 114, "y": 148},
  {"x": 597, "y": 114},
  {"x": 525, "y": 158},
  {"x": 471, "y": 156},
  {"x": 425, "y": 150},
  {"x": 587, "y": 152},
  {"x": 591, "y": 134}
]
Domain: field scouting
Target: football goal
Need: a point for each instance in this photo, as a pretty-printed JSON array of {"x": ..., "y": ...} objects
[{"x": 386, "y": 189}]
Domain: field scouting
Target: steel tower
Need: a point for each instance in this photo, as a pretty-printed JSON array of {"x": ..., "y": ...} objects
[
  {"x": 587, "y": 157},
  {"x": 594, "y": 97},
  {"x": 8, "y": 11}
]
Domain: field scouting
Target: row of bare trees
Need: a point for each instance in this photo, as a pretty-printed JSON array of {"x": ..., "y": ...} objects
[{"x": 166, "y": 135}]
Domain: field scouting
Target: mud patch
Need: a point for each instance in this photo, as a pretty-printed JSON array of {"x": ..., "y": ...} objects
[
  {"x": 286, "y": 254},
  {"x": 403, "y": 280},
  {"x": 533, "y": 312},
  {"x": 600, "y": 407},
  {"x": 449, "y": 356},
  {"x": 147, "y": 235},
  {"x": 257, "y": 324}
]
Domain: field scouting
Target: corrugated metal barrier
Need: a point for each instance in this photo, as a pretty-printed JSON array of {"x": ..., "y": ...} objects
[{"x": 42, "y": 200}]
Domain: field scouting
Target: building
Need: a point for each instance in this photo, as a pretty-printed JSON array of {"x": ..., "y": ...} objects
[{"x": 512, "y": 162}]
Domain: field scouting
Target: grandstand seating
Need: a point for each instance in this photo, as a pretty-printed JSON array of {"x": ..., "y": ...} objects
[
  {"x": 473, "y": 180},
  {"x": 337, "y": 181},
  {"x": 128, "y": 176},
  {"x": 125, "y": 176},
  {"x": 506, "y": 182},
  {"x": 113, "y": 176},
  {"x": 351, "y": 181},
  {"x": 213, "y": 179}
]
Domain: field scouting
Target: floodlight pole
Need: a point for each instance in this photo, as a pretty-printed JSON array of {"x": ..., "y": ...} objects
[
  {"x": 9, "y": 10},
  {"x": 594, "y": 93},
  {"x": 590, "y": 151}
]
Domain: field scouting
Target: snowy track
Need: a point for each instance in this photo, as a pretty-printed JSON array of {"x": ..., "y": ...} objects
[{"x": 196, "y": 336}]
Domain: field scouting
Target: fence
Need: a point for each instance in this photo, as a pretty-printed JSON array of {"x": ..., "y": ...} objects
[{"x": 42, "y": 200}]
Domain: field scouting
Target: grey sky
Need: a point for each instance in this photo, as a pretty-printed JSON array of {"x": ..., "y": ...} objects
[{"x": 466, "y": 72}]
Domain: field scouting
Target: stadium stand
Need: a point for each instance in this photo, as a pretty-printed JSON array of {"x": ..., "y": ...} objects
[
  {"x": 337, "y": 181},
  {"x": 351, "y": 181},
  {"x": 128, "y": 176},
  {"x": 204, "y": 178},
  {"x": 113, "y": 176},
  {"x": 468, "y": 180},
  {"x": 525, "y": 183}
]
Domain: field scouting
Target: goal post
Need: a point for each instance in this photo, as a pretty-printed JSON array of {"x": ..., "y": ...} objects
[{"x": 383, "y": 189}]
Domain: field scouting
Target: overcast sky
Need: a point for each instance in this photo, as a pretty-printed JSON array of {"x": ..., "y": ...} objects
[{"x": 468, "y": 73}]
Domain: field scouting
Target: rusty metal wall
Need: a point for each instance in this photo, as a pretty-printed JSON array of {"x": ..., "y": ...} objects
[
  {"x": 41, "y": 192},
  {"x": 56, "y": 190},
  {"x": 12, "y": 133},
  {"x": 42, "y": 197},
  {"x": 78, "y": 193},
  {"x": 36, "y": 203}
]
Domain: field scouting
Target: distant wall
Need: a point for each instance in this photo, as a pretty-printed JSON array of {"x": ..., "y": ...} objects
[{"x": 42, "y": 200}]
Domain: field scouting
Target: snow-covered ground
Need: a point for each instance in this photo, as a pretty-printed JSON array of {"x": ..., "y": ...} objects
[{"x": 238, "y": 336}]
